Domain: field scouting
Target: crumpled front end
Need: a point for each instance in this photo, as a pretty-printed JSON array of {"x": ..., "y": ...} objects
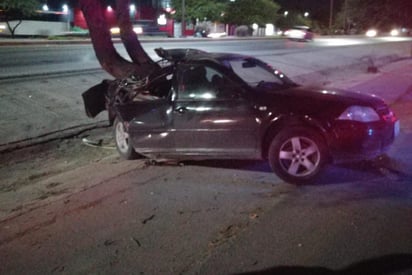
[
  {"x": 94, "y": 99},
  {"x": 109, "y": 93}
]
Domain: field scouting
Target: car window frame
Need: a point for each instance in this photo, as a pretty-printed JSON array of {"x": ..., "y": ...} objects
[{"x": 240, "y": 95}]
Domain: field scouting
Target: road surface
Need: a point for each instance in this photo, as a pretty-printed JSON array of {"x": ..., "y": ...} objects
[{"x": 29, "y": 59}]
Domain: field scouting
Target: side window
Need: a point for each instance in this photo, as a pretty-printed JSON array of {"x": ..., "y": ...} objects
[
  {"x": 194, "y": 83},
  {"x": 199, "y": 82},
  {"x": 225, "y": 88}
]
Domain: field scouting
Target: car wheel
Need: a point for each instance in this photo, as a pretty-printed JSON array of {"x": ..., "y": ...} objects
[
  {"x": 122, "y": 140},
  {"x": 297, "y": 155}
]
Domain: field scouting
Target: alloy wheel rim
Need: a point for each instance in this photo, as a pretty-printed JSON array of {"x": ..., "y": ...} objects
[
  {"x": 122, "y": 138},
  {"x": 299, "y": 156}
]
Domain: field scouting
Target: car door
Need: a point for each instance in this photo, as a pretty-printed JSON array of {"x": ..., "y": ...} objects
[
  {"x": 149, "y": 125},
  {"x": 212, "y": 116},
  {"x": 148, "y": 115}
]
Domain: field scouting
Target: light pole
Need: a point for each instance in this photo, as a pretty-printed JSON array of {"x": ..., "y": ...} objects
[
  {"x": 183, "y": 18},
  {"x": 67, "y": 12},
  {"x": 331, "y": 16},
  {"x": 345, "y": 20},
  {"x": 132, "y": 11}
]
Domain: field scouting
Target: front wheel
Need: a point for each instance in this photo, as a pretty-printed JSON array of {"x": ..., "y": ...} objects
[
  {"x": 122, "y": 140},
  {"x": 297, "y": 155}
]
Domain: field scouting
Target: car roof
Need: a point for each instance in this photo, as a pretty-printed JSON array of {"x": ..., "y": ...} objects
[{"x": 188, "y": 54}]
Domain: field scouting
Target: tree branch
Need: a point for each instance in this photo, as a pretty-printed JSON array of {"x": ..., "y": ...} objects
[
  {"x": 129, "y": 37},
  {"x": 108, "y": 57}
]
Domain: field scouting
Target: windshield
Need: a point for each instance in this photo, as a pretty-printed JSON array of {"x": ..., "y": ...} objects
[{"x": 258, "y": 74}]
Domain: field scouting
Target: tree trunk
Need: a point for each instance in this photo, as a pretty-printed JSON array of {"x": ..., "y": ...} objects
[
  {"x": 128, "y": 36},
  {"x": 109, "y": 58}
]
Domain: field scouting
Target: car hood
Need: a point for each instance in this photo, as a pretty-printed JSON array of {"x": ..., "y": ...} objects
[
  {"x": 311, "y": 94},
  {"x": 314, "y": 101}
]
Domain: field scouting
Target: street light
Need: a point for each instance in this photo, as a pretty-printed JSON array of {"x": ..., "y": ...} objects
[
  {"x": 67, "y": 12},
  {"x": 45, "y": 7},
  {"x": 132, "y": 11},
  {"x": 286, "y": 13}
]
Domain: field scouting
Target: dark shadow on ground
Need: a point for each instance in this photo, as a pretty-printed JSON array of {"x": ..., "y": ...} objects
[
  {"x": 333, "y": 174},
  {"x": 385, "y": 265}
]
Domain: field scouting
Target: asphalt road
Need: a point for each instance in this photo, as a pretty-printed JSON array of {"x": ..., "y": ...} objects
[{"x": 46, "y": 58}]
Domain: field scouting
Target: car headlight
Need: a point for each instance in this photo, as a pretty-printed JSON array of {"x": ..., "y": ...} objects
[
  {"x": 394, "y": 32},
  {"x": 371, "y": 33},
  {"x": 115, "y": 30},
  {"x": 138, "y": 30},
  {"x": 359, "y": 113}
]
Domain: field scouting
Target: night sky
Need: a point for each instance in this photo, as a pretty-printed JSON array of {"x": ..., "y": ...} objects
[
  {"x": 318, "y": 9},
  {"x": 302, "y": 5}
]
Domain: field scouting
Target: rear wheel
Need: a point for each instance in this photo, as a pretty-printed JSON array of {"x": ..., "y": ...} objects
[
  {"x": 297, "y": 155},
  {"x": 122, "y": 140}
]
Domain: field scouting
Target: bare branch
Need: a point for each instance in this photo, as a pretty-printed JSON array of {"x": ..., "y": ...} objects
[{"x": 129, "y": 37}]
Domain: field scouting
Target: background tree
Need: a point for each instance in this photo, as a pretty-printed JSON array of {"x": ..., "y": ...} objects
[
  {"x": 110, "y": 60},
  {"x": 318, "y": 10},
  {"x": 210, "y": 10},
  {"x": 17, "y": 10},
  {"x": 248, "y": 12},
  {"x": 381, "y": 14}
]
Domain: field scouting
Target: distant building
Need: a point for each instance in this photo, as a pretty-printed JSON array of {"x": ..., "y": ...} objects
[{"x": 149, "y": 14}]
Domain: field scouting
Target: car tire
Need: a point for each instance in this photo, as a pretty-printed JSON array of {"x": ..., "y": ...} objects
[
  {"x": 297, "y": 155},
  {"x": 122, "y": 140}
]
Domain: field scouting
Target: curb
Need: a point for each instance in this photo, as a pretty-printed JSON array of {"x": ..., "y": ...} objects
[
  {"x": 51, "y": 136},
  {"x": 34, "y": 41}
]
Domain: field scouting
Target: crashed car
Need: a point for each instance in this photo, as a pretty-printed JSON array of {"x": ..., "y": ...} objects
[{"x": 228, "y": 106}]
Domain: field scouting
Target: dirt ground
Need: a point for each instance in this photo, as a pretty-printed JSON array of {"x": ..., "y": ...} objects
[{"x": 26, "y": 174}]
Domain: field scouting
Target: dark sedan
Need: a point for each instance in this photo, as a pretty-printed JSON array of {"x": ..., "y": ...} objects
[{"x": 226, "y": 106}]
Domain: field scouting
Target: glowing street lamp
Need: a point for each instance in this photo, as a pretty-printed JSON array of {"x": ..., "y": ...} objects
[
  {"x": 132, "y": 11},
  {"x": 132, "y": 7},
  {"x": 65, "y": 9},
  {"x": 45, "y": 7},
  {"x": 67, "y": 12}
]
